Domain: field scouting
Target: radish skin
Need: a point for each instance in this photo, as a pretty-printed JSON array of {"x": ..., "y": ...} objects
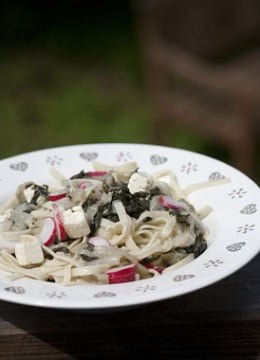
[
  {"x": 95, "y": 173},
  {"x": 56, "y": 196},
  {"x": 48, "y": 232},
  {"x": 122, "y": 274},
  {"x": 157, "y": 268},
  {"x": 60, "y": 228},
  {"x": 170, "y": 203}
]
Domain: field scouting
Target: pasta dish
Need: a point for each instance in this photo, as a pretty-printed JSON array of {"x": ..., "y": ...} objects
[{"x": 113, "y": 224}]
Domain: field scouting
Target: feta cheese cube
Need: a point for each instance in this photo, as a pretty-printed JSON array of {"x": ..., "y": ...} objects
[
  {"x": 6, "y": 220},
  {"x": 139, "y": 182},
  {"x": 3, "y": 221},
  {"x": 29, "y": 251},
  {"x": 75, "y": 222},
  {"x": 28, "y": 193}
]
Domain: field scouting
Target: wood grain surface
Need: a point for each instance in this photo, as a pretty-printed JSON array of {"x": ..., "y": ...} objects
[{"x": 221, "y": 322}]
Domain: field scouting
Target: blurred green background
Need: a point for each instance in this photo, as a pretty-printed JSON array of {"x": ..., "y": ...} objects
[
  {"x": 71, "y": 74},
  {"x": 69, "y": 77}
]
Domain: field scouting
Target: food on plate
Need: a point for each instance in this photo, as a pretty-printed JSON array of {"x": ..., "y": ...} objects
[{"x": 113, "y": 224}]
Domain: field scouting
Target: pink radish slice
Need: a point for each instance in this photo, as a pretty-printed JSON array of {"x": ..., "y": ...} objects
[
  {"x": 122, "y": 274},
  {"x": 95, "y": 173},
  {"x": 60, "y": 228},
  {"x": 48, "y": 231},
  {"x": 99, "y": 241},
  {"x": 56, "y": 195},
  {"x": 170, "y": 203}
]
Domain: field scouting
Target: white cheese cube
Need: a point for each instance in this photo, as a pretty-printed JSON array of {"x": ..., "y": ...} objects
[
  {"x": 139, "y": 182},
  {"x": 75, "y": 222},
  {"x": 28, "y": 193},
  {"x": 6, "y": 220},
  {"x": 29, "y": 251},
  {"x": 3, "y": 221},
  {"x": 3, "y": 217}
]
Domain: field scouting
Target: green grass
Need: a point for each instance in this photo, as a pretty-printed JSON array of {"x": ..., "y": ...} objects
[
  {"x": 48, "y": 101},
  {"x": 72, "y": 82}
]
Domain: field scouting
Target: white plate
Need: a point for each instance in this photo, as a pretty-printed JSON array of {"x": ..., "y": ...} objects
[{"x": 234, "y": 224}]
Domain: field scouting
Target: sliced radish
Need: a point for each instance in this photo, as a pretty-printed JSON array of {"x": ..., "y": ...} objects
[
  {"x": 95, "y": 173},
  {"x": 170, "y": 203},
  {"x": 57, "y": 195},
  {"x": 99, "y": 241},
  {"x": 122, "y": 274},
  {"x": 59, "y": 224},
  {"x": 48, "y": 231},
  {"x": 157, "y": 268}
]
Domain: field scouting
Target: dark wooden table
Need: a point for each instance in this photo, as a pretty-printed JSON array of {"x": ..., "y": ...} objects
[{"x": 219, "y": 322}]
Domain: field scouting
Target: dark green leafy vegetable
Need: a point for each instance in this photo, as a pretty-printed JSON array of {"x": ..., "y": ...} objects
[
  {"x": 147, "y": 219},
  {"x": 166, "y": 259},
  {"x": 96, "y": 222},
  {"x": 87, "y": 252},
  {"x": 80, "y": 175},
  {"x": 39, "y": 191},
  {"x": 63, "y": 249},
  {"x": 198, "y": 247},
  {"x": 135, "y": 204}
]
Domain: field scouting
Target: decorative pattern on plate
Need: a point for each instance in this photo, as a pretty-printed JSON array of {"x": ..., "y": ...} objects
[
  {"x": 56, "y": 294},
  {"x": 245, "y": 228},
  {"x": 123, "y": 156},
  {"x": 15, "y": 289},
  {"x": 103, "y": 294},
  {"x": 214, "y": 263},
  {"x": 158, "y": 160},
  {"x": 54, "y": 160},
  {"x": 216, "y": 176},
  {"x": 88, "y": 156},
  {"x": 183, "y": 277},
  {"x": 237, "y": 193},
  {"x": 235, "y": 247},
  {"x": 20, "y": 166},
  {"x": 146, "y": 288},
  {"x": 189, "y": 167},
  {"x": 249, "y": 209}
]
